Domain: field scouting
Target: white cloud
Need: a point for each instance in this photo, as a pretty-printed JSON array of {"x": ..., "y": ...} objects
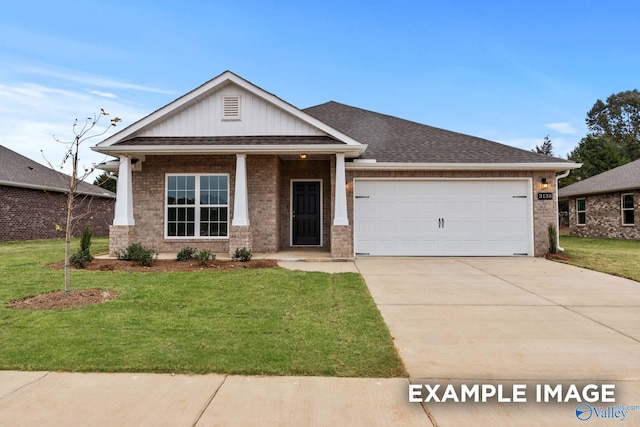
[
  {"x": 103, "y": 94},
  {"x": 87, "y": 79},
  {"x": 562, "y": 127},
  {"x": 30, "y": 114}
]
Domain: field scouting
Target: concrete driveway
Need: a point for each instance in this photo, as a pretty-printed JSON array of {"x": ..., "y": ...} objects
[{"x": 508, "y": 320}]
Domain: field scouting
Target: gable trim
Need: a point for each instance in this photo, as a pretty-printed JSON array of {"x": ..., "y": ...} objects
[{"x": 209, "y": 87}]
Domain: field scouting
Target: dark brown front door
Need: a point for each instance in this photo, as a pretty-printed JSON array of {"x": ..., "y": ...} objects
[{"x": 305, "y": 216}]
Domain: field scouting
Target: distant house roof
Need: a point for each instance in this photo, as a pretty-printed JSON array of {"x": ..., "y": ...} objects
[
  {"x": 17, "y": 170},
  {"x": 625, "y": 177},
  {"x": 391, "y": 139}
]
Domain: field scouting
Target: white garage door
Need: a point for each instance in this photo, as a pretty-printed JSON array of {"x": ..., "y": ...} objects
[{"x": 448, "y": 218}]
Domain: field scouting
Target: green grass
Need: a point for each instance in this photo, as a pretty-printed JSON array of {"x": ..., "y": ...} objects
[
  {"x": 618, "y": 257},
  {"x": 269, "y": 321}
]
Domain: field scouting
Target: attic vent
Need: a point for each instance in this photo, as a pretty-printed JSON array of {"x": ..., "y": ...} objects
[{"x": 230, "y": 108}]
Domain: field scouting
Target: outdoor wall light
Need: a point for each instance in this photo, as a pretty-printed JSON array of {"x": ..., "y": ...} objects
[
  {"x": 303, "y": 156},
  {"x": 545, "y": 185}
]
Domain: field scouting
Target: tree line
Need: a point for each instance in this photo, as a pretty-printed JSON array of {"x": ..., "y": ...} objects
[{"x": 613, "y": 138}]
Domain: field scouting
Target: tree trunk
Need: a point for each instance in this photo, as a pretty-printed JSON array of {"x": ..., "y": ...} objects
[{"x": 67, "y": 245}]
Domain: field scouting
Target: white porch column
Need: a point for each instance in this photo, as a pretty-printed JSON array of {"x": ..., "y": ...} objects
[
  {"x": 124, "y": 196},
  {"x": 340, "y": 210},
  {"x": 240, "y": 205}
]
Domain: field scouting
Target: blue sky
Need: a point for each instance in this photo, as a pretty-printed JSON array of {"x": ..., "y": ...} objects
[{"x": 508, "y": 71}]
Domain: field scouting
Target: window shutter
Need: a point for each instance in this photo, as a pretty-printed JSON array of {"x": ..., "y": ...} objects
[{"x": 230, "y": 108}]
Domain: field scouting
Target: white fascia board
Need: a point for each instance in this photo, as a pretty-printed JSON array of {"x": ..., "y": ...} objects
[
  {"x": 211, "y": 86},
  {"x": 386, "y": 166},
  {"x": 348, "y": 150},
  {"x": 54, "y": 189}
]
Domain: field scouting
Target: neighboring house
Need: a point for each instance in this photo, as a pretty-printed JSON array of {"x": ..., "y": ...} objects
[
  {"x": 606, "y": 205},
  {"x": 230, "y": 165},
  {"x": 33, "y": 201}
]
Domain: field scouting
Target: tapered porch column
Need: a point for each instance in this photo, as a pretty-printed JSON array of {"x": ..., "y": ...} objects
[
  {"x": 240, "y": 205},
  {"x": 124, "y": 196},
  {"x": 340, "y": 211}
]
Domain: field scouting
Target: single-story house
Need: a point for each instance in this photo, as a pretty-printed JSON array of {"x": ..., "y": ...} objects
[
  {"x": 606, "y": 205},
  {"x": 230, "y": 165},
  {"x": 33, "y": 200}
]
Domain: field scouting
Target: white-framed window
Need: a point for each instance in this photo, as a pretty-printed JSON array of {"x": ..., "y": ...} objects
[
  {"x": 581, "y": 211},
  {"x": 626, "y": 201},
  {"x": 197, "y": 206}
]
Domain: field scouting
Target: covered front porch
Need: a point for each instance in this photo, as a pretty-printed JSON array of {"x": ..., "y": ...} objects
[{"x": 292, "y": 203}]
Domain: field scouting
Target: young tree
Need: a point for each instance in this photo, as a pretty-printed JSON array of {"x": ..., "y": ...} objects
[
  {"x": 81, "y": 134},
  {"x": 546, "y": 148}
]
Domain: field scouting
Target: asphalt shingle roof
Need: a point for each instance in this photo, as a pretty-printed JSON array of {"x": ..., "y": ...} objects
[
  {"x": 625, "y": 177},
  {"x": 19, "y": 171},
  {"x": 391, "y": 139}
]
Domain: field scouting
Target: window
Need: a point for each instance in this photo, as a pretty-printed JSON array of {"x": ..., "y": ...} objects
[
  {"x": 581, "y": 211},
  {"x": 627, "y": 209},
  {"x": 197, "y": 206}
]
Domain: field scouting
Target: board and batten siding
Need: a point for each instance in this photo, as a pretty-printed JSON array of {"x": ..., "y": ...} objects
[{"x": 257, "y": 117}]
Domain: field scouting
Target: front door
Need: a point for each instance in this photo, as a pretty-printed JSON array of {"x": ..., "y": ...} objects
[{"x": 306, "y": 214}]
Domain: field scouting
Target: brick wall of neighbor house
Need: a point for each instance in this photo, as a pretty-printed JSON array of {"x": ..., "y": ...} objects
[
  {"x": 604, "y": 217},
  {"x": 28, "y": 214},
  {"x": 544, "y": 211},
  {"x": 304, "y": 169},
  {"x": 149, "y": 198}
]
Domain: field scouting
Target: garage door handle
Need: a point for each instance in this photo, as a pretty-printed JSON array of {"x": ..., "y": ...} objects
[{"x": 442, "y": 222}]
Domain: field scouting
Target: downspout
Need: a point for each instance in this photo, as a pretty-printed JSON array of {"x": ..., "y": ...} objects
[{"x": 558, "y": 178}]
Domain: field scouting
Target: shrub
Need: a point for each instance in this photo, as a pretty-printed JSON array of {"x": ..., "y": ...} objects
[
  {"x": 138, "y": 254},
  {"x": 204, "y": 256},
  {"x": 242, "y": 255},
  {"x": 553, "y": 239},
  {"x": 186, "y": 254},
  {"x": 85, "y": 240},
  {"x": 81, "y": 258}
]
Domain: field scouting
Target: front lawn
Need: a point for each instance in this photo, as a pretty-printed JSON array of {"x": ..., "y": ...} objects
[
  {"x": 267, "y": 321},
  {"x": 619, "y": 257}
]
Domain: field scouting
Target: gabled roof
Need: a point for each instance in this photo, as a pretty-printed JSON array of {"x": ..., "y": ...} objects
[
  {"x": 395, "y": 140},
  {"x": 625, "y": 177},
  {"x": 130, "y": 133},
  {"x": 17, "y": 170}
]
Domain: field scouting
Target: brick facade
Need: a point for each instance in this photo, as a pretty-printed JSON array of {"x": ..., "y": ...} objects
[
  {"x": 29, "y": 214},
  {"x": 269, "y": 179},
  {"x": 604, "y": 216}
]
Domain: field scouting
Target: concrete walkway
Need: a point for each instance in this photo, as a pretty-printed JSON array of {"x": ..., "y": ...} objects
[
  {"x": 122, "y": 400},
  {"x": 506, "y": 320}
]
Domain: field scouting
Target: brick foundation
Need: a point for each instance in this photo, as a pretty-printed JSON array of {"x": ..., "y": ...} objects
[
  {"x": 341, "y": 241},
  {"x": 120, "y": 236}
]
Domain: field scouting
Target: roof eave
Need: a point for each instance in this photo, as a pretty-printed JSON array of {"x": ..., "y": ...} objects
[
  {"x": 54, "y": 189},
  {"x": 385, "y": 166},
  {"x": 350, "y": 151},
  {"x": 594, "y": 193}
]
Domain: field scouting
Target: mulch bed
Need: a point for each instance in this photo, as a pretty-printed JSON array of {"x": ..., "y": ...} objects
[
  {"x": 558, "y": 256},
  {"x": 59, "y": 299},
  {"x": 164, "y": 265}
]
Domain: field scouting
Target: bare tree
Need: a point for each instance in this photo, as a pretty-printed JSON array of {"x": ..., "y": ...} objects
[{"x": 88, "y": 131}]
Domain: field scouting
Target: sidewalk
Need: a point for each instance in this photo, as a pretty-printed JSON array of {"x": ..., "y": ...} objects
[{"x": 76, "y": 399}]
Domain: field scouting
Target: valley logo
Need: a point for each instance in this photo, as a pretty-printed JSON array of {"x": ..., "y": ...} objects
[{"x": 585, "y": 412}]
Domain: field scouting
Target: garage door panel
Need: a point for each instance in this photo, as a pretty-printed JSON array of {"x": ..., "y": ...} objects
[{"x": 402, "y": 217}]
